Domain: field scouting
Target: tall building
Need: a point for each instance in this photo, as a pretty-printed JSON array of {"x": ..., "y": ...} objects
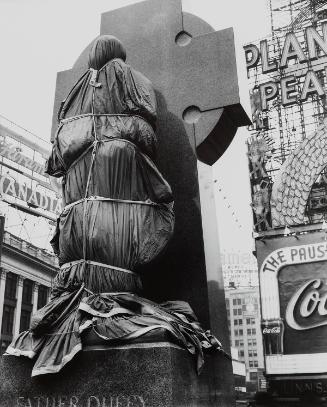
[{"x": 243, "y": 313}]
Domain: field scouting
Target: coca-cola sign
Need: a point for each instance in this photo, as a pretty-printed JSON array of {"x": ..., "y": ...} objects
[
  {"x": 275, "y": 330},
  {"x": 307, "y": 308},
  {"x": 293, "y": 285},
  {"x": 273, "y": 333}
]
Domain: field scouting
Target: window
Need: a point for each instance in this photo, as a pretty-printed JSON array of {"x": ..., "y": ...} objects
[
  {"x": 254, "y": 342},
  {"x": 241, "y": 343},
  {"x": 227, "y": 303},
  {"x": 27, "y": 292},
  {"x": 251, "y": 331},
  {"x": 25, "y": 317},
  {"x": 255, "y": 353},
  {"x": 248, "y": 321},
  {"x": 237, "y": 342},
  {"x": 248, "y": 331},
  {"x": 240, "y": 332},
  {"x": 234, "y": 311},
  {"x": 251, "y": 363},
  {"x": 240, "y": 322},
  {"x": 42, "y": 298},
  {"x": 239, "y": 311},
  {"x": 255, "y": 364},
  {"x": 234, "y": 301},
  {"x": 250, "y": 354},
  {"x": 8, "y": 319},
  {"x": 239, "y": 301},
  {"x": 242, "y": 353},
  {"x": 11, "y": 283},
  {"x": 235, "y": 332},
  {"x": 236, "y": 322},
  {"x": 253, "y": 376}
]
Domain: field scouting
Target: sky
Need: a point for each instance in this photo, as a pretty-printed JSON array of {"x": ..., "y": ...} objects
[{"x": 38, "y": 38}]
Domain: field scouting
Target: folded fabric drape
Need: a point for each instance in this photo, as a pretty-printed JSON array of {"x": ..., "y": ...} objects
[{"x": 118, "y": 215}]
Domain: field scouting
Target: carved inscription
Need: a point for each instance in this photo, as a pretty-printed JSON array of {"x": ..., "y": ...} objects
[{"x": 75, "y": 401}]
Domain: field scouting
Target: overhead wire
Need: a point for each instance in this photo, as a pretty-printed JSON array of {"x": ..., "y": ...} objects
[{"x": 228, "y": 204}]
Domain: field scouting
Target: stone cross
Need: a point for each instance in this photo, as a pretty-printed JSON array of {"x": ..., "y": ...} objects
[{"x": 195, "y": 73}]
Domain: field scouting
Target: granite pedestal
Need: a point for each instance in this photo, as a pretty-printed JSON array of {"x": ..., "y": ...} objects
[{"x": 136, "y": 375}]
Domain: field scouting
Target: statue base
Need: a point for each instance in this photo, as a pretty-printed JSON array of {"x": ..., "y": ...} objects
[{"x": 136, "y": 375}]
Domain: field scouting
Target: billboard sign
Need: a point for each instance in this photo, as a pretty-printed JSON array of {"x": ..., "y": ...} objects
[
  {"x": 293, "y": 283},
  {"x": 9, "y": 186},
  {"x": 301, "y": 54},
  {"x": 8, "y": 151}
]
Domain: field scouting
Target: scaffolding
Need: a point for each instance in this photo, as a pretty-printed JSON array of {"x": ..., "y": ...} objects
[{"x": 283, "y": 127}]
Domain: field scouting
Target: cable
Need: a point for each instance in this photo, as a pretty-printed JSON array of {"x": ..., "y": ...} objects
[{"x": 228, "y": 205}]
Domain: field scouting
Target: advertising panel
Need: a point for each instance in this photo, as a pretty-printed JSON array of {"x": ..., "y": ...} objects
[
  {"x": 287, "y": 76},
  {"x": 9, "y": 186},
  {"x": 293, "y": 284},
  {"x": 23, "y": 182},
  {"x": 301, "y": 54}
]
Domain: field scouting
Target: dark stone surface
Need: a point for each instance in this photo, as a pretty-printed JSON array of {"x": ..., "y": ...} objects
[{"x": 151, "y": 376}]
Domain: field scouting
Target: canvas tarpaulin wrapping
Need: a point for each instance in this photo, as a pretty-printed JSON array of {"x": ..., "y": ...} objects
[{"x": 118, "y": 215}]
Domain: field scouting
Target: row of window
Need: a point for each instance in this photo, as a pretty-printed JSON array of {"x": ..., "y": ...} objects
[
  {"x": 252, "y": 363},
  {"x": 237, "y": 311},
  {"x": 251, "y": 354},
  {"x": 249, "y": 321},
  {"x": 252, "y": 342},
  {"x": 249, "y": 331},
  {"x": 239, "y": 343},
  {"x": 27, "y": 296},
  {"x": 9, "y": 305},
  {"x": 240, "y": 301}
]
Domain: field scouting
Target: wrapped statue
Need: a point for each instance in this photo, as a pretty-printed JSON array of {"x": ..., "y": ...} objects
[{"x": 117, "y": 216}]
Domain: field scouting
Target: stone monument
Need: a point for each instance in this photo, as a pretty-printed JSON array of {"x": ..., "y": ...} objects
[{"x": 195, "y": 75}]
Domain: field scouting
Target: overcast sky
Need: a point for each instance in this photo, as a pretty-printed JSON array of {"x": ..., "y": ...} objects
[{"x": 38, "y": 38}]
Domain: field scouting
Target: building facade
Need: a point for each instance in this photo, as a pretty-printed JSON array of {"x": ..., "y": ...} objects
[
  {"x": 243, "y": 313},
  {"x": 29, "y": 205},
  {"x": 26, "y": 275}
]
